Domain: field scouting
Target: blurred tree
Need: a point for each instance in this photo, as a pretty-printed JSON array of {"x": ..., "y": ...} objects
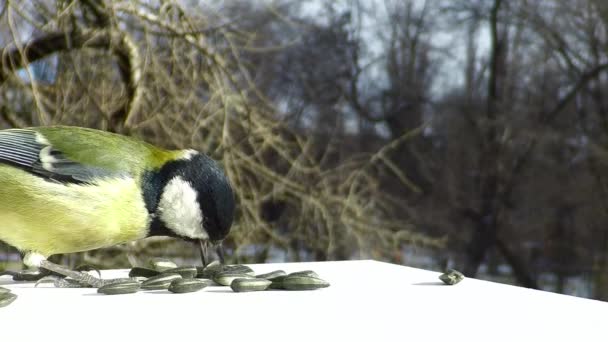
[
  {"x": 185, "y": 77},
  {"x": 347, "y": 124}
]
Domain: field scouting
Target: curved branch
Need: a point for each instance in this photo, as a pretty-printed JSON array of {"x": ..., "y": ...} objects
[
  {"x": 120, "y": 44},
  {"x": 54, "y": 42},
  {"x": 129, "y": 62}
]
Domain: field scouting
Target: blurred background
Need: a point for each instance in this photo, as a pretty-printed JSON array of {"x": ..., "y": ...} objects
[{"x": 443, "y": 133}]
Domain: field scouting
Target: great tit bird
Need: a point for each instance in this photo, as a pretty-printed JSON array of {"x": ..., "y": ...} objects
[{"x": 71, "y": 189}]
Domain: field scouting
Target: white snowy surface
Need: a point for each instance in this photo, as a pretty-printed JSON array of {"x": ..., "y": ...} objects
[{"x": 367, "y": 301}]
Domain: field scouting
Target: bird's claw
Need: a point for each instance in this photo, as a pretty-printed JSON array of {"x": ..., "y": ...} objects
[
  {"x": 87, "y": 268},
  {"x": 47, "y": 279}
]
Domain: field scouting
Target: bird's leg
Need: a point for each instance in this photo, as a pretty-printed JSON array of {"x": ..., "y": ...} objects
[
  {"x": 38, "y": 260},
  {"x": 61, "y": 282},
  {"x": 34, "y": 272},
  {"x": 81, "y": 277}
]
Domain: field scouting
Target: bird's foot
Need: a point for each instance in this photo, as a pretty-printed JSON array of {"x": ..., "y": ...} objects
[
  {"x": 61, "y": 282},
  {"x": 87, "y": 268},
  {"x": 82, "y": 278}
]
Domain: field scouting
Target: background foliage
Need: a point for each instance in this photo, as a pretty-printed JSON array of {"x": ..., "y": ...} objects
[{"x": 439, "y": 133}]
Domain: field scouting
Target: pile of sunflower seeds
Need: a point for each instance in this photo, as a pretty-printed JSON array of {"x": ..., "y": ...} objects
[{"x": 166, "y": 275}]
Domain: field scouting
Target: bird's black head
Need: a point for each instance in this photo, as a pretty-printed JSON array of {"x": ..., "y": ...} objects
[{"x": 190, "y": 198}]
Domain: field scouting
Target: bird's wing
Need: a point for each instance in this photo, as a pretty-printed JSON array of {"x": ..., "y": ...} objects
[{"x": 72, "y": 154}]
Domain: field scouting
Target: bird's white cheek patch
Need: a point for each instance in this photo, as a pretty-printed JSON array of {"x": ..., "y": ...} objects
[{"x": 179, "y": 210}]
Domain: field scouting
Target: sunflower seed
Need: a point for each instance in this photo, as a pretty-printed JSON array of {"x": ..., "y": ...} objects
[
  {"x": 4, "y": 290},
  {"x": 240, "y": 269},
  {"x": 161, "y": 264},
  {"x": 160, "y": 282},
  {"x": 119, "y": 288},
  {"x": 277, "y": 283},
  {"x": 210, "y": 270},
  {"x": 451, "y": 277},
  {"x": 247, "y": 285},
  {"x": 27, "y": 276},
  {"x": 143, "y": 272},
  {"x": 271, "y": 275},
  {"x": 307, "y": 273},
  {"x": 187, "y": 285},
  {"x": 226, "y": 277},
  {"x": 187, "y": 272},
  {"x": 298, "y": 282},
  {"x": 7, "y": 298}
]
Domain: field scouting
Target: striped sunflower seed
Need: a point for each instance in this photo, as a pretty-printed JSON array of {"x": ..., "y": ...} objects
[
  {"x": 249, "y": 284},
  {"x": 271, "y": 275},
  {"x": 187, "y": 272},
  {"x": 225, "y": 278},
  {"x": 161, "y": 264},
  {"x": 307, "y": 273},
  {"x": 301, "y": 283},
  {"x": 210, "y": 270},
  {"x": 451, "y": 277},
  {"x": 4, "y": 290},
  {"x": 277, "y": 283},
  {"x": 143, "y": 272},
  {"x": 120, "y": 288},
  {"x": 240, "y": 269},
  {"x": 187, "y": 285},
  {"x": 160, "y": 282},
  {"x": 7, "y": 298}
]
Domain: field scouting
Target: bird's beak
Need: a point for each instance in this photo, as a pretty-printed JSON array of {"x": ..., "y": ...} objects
[
  {"x": 203, "y": 246},
  {"x": 219, "y": 249}
]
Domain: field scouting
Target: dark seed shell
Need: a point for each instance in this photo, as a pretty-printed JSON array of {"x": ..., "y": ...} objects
[
  {"x": 143, "y": 272},
  {"x": 26, "y": 276},
  {"x": 451, "y": 277},
  {"x": 7, "y": 298},
  {"x": 187, "y": 285},
  {"x": 119, "y": 288},
  {"x": 300, "y": 283},
  {"x": 210, "y": 271},
  {"x": 247, "y": 285},
  {"x": 187, "y": 272},
  {"x": 307, "y": 273},
  {"x": 160, "y": 282},
  {"x": 277, "y": 283},
  {"x": 271, "y": 275}
]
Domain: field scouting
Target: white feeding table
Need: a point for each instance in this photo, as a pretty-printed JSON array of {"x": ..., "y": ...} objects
[{"x": 367, "y": 301}]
